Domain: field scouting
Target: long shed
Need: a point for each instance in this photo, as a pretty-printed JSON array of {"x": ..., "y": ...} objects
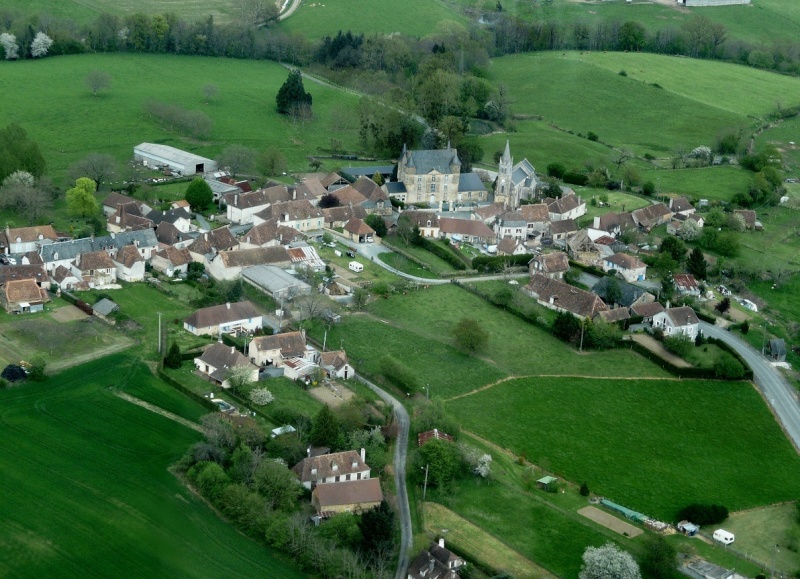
[{"x": 183, "y": 162}]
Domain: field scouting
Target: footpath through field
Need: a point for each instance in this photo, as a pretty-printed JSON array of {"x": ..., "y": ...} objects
[{"x": 160, "y": 411}]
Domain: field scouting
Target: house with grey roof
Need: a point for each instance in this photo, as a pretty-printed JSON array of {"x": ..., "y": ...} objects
[
  {"x": 629, "y": 267},
  {"x": 434, "y": 177},
  {"x": 568, "y": 206},
  {"x": 676, "y": 321},
  {"x": 275, "y": 282},
  {"x": 562, "y": 297},
  {"x": 228, "y": 265},
  {"x": 616, "y": 292},
  {"x": 218, "y": 361},
  {"x": 104, "y": 308},
  {"x": 511, "y": 224}
]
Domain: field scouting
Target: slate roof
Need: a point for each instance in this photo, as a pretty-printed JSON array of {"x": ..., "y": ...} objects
[
  {"x": 247, "y": 200},
  {"x": 222, "y": 314},
  {"x": 143, "y": 238},
  {"x": 104, "y": 307},
  {"x": 427, "y": 161},
  {"x": 625, "y": 261},
  {"x": 512, "y": 219},
  {"x": 470, "y": 182},
  {"x": 254, "y": 256},
  {"x": 24, "y": 290},
  {"x": 566, "y": 297},
  {"x": 395, "y": 187},
  {"x": 535, "y": 213},
  {"x": 170, "y": 216},
  {"x": 369, "y": 171},
  {"x": 291, "y": 211},
  {"x": 628, "y": 293},
  {"x": 344, "y": 462},
  {"x": 470, "y": 227},
  {"x": 168, "y": 234},
  {"x": 352, "y": 492},
  {"x": 128, "y": 256}
]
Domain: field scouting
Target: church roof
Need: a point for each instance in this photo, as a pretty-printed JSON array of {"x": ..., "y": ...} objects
[{"x": 428, "y": 161}]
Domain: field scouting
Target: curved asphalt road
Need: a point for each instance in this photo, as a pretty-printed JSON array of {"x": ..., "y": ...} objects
[
  {"x": 778, "y": 392},
  {"x": 400, "y": 453}
]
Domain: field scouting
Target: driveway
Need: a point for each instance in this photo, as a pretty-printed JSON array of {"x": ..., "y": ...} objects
[
  {"x": 776, "y": 389},
  {"x": 400, "y": 453}
]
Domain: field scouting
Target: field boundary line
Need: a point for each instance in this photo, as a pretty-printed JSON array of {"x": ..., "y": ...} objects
[
  {"x": 160, "y": 411},
  {"x": 581, "y": 376}
]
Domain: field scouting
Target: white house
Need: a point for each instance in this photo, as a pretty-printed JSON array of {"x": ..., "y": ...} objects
[
  {"x": 631, "y": 268},
  {"x": 274, "y": 350},
  {"x": 676, "y": 321},
  {"x": 130, "y": 264},
  {"x": 225, "y": 318},
  {"x": 218, "y": 360},
  {"x": 171, "y": 261},
  {"x": 336, "y": 365},
  {"x": 332, "y": 468}
]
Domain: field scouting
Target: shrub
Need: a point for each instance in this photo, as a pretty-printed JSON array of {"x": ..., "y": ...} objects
[
  {"x": 745, "y": 327},
  {"x": 723, "y": 306},
  {"x": 584, "y": 489},
  {"x": 679, "y": 345},
  {"x": 556, "y": 170},
  {"x": 703, "y": 514},
  {"x": 622, "y": 73},
  {"x": 575, "y": 178},
  {"x": 649, "y": 188},
  {"x": 173, "y": 358},
  {"x": 261, "y": 396},
  {"x": 728, "y": 367},
  {"x": 592, "y": 136}
]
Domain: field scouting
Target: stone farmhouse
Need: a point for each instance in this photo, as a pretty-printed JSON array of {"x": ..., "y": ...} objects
[
  {"x": 560, "y": 296},
  {"x": 676, "y": 321},
  {"x": 349, "y": 465},
  {"x": 217, "y": 361},
  {"x": 224, "y": 318}
]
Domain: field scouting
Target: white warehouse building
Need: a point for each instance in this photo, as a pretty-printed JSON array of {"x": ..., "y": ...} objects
[{"x": 154, "y": 155}]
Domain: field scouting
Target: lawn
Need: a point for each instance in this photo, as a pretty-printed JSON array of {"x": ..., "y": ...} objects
[
  {"x": 654, "y": 446},
  {"x": 88, "y": 10},
  {"x": 704, "y": 356},
  {"x": 113, "y": 122},
  {"x": 86, "y": 490},
  {"x": 417, "y": 18},
  {"x": 767, "y": 533},
  {"x": 23, "y": 337},
  {"x": 401, "y": 263},
  {"x": 718, "y": 183},
  {"x": 434, "y": 263}
]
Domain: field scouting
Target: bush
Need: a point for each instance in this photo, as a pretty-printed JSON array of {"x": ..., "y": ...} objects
[
  {"x": 584, "y": 490},
  {"x": 575, "y": 178},
  {"x": 556, "y": 170},
  {"x": 679, "y": 345},
  {"x": 723, "y": 306},
  {"x": 497, "y": 264},
  {"x": 592, "y": 136},
  {"x": 703, "y": 514},
  {"x": 173, "y": 358},
  {"x": 728, "y": 367},
  {"x": 442, "y": 252},
  {"x": 649, "y": 188}
]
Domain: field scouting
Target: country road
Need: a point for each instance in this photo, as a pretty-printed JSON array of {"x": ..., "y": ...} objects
[
  {"x": 400, "y": 453},
  {"x": 779, "y": 394}
]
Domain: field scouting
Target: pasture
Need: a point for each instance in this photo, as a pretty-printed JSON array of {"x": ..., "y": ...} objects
[
  {"x": 87, "y": 10},
  {"x": 651, "y": 445},
  {"x": 87, "y": 491},
  {"x": 769, "y": 532},
  {"x": 70, "y": 122},
  {"x": 697, "y": 99},
  {"x": 317, "y": 18}
]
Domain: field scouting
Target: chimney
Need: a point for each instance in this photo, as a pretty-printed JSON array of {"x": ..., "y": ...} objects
[
  {"x": 228, "y": 305},
  {"x": 294, "y": 193},
  {"x": 363, "y": 455},
  {"x": 303, "y": 333},
  {"x": 236, "y": 200},
  {"x": 441, "y": 543}
]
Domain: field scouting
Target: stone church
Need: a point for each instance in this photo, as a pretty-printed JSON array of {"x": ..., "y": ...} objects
[{"x": 514, "y": 182}]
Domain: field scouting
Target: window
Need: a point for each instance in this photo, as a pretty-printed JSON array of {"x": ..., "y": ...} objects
[
  {"x": 433, "y": 187},
  {"x": 433, "y": 178},
  {"x": 469, "y": 195}
]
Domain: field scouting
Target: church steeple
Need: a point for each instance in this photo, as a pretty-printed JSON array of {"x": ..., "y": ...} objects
[{"x": 504, "y": 192}]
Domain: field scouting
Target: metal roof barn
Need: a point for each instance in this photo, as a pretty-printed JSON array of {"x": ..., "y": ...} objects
[{"x": 155, "y": 155}]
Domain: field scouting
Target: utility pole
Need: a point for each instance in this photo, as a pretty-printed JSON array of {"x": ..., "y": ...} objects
[
  {"x": 764, "y": 340},
  {"x": 425, "y": 487},
  {"x": 159, "y": 332},
  {"x": 583, "y": 325},
  {"x": 427, "y": 391}
]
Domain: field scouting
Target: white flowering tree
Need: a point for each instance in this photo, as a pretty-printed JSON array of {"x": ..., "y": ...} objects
[
  {"x": 261, "y": 396},
  {"x": 10, "y": 46},
  {"x": 484, "y": 467},
  {"x": 690, "y": 230},
  {"x": 608, "y": 562},
  {"x": 40, "y": 45}
]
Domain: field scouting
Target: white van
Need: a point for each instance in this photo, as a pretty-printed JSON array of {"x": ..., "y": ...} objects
[
  {"x": 723, "y": 536},
  {"x": 356, "y": 267}
]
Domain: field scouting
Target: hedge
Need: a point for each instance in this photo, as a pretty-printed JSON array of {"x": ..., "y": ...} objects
[
  {"x": 575, "y": 178},
  {"x": 748, "y": 372},
  {"x": 458, "y": 253},
  {"x": 525, "y": 317},
  {"x": 706, "y": 317},
  {"x": 442, "y": 252},
  {"x": 489, "y": 263},
  {"x": 397, "y": 373},
  {"x": 205, "y": 402},
  {"x": 699, "y": 373},
  {"x": 592, "y": 269}
]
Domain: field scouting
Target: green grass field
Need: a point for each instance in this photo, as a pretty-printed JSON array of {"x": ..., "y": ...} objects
[
  {"x": 318, "y": 18},
  {"x": 653, "y": 446},
  {"x": 698, "y": 99},
  {"x": 70, "y": 122},
  {"x": 86, "y": 490},
  {"x": 88, "y": 10},
  {"x": 405, "y": 265},
  {"x": 712, "y": 183},
  {"x": 760, "y": 531}
]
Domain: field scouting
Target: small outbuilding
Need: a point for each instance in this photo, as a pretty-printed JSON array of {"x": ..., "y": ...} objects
[
  {"x": 104, "y": 308},
  {"x": 163, "y": 156},
  {"x": 546, "y": 481},
  {"x": 777, "y": 350}
]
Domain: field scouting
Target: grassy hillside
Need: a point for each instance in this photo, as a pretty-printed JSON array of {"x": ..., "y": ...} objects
[
  {"x": 68, "y": 122},
  {"x": 694, "y": 441},
  {"x": 762, "y": 21},
  {"x": 696, "y": 99},
  {"x": 86, "y": 490},
  {"x": 87, "y": 10},
  {"x": 315, "y": 19}
]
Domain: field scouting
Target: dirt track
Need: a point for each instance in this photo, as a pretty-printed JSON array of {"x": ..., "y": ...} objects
[{"x": 610, "y": 522}]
